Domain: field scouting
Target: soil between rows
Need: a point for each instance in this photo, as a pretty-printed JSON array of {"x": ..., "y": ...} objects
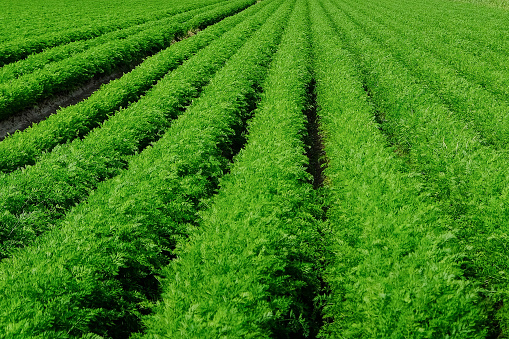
[{"x": 41, "y": 111}]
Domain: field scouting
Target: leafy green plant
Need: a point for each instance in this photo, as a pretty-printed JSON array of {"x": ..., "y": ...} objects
[
  {"x": 392, "y": 273},
  {"x": 34, "y": 198},
  {"x": 96, "y": 272},
  {"x": 77, "y": 28},
  {"x": 23, "y": 148},
  {"x": 249, "y": 269},
  {"x": 459, "y": 171},
  {"x": 466, "y": 95},
  {"x": 67, "y": 74}
]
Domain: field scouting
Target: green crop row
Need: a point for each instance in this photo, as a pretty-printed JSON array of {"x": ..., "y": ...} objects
[
  {"x": 41, "y": 60},
  {"x": 32, "y": 199},
  {"x": 248, "y": 270},
  {"x": 178, "y": 200},
  {"x": 489, "y": 3},
  {"x": 50, "y": 18},
  {"x": 477, "y": 27},
  {"x": 392, "y": 273},
  {"x": 23, "y": 148},
  {"x": 479, "y": 65},
  {"x": 463, "y": 174},
  {"x": 464, "y": 95},
  {"x": 66, "y": 74},
  {"x": 37, "y": 61},
  {"x": 18, "y": 48},
  {"x": 96, "y": 272}
]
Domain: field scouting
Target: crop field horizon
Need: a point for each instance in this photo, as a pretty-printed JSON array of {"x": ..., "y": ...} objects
[
  {"x": 504, "y": 4},
  {"x": 254, "y": 169}
]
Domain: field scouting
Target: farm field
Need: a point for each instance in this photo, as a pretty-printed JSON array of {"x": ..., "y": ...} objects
[{"x": 254, "y": 169}]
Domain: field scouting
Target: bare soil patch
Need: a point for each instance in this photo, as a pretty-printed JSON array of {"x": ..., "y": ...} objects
[{"x": 315, "y": 148}]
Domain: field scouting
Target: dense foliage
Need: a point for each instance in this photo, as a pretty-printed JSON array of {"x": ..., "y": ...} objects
[{"x": 272, "y": 168}]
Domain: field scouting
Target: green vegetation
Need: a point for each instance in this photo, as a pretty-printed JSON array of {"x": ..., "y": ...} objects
[
  {"x": 74, "y": 121},
  {"x": 247, "y": 271},
  {"x": 40, "y": 60},
  {"x": 493, "y": 3},
  {"x": 130, "y": 223},
  {"x": 25, "y": 36},
  {"x": 269, "y": 169},
  {"x": 392, "y": 270},
  {"x": 478, "y": 94},
  {"x": 34, "y": 198},
  {"x": 63, "y": 75},
  {"x": 459, "y": 171}
]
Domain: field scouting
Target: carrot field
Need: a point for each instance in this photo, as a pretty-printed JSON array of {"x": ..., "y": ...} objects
[{"x": 254, "y": 169}]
